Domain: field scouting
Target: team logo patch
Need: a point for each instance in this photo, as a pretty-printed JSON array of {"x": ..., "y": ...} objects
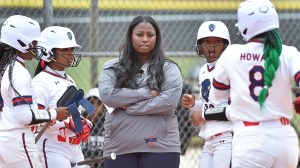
[
  {"x": 205, "y": 89},
  {"x": 70, "y": 35},
  {"x": 264, "y": 9},
  {"x": 211, "y": 27},
  {"x": 151, "y": 141}
]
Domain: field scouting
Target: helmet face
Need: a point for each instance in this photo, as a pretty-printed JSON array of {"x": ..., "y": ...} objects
[
  {"x": 256, "y": 17},
  {"x": 19, "y": 32},
  {"x": 212, "y": 29},
  {"x": 57, "y": 37}
]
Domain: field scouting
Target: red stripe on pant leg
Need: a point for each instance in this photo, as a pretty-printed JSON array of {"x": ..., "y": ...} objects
[{"x": 24, "y": 145}]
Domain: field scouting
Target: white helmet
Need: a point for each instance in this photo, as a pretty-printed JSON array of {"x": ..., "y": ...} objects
[
  {"x": 212, "y": 29},
  {"x": 57, "y": 37},
  {"x": 256, "y": 17},
  {"x": 19, "y": 31}
]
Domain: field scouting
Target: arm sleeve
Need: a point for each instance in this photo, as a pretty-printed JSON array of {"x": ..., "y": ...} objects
[
  {"x": 168, "y": 98},
  {"x": 221, "y": 83},
  {"x": 40, "y": 96},
  {"x": 22, "y": 83},
  {"x": 39, "y": 93},
  {"x": 119, "y": 97}
]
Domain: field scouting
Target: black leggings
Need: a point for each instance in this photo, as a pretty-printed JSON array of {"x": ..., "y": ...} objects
[{"x": 144, "y": 160}]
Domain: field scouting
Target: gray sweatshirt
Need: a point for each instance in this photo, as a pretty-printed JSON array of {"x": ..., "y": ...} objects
[{"x": 148, "y": 124}]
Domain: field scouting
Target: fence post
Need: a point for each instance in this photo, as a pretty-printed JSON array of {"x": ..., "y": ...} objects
[
  {"x": 94, "y": 41},
  {"x": 48, "y": 13}
]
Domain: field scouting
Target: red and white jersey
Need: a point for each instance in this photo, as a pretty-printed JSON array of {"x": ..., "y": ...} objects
[
  {"x": 210, "y": 128},
  {"x": 47, "y": 88},
  {"x": 239, "y": 74},
  {"x": 15, "y": 113}
]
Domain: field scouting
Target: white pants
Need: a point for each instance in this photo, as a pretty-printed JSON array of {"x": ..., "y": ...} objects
[
  {"x": 60, "y": 154},
  {"x": 268, "y": 145},
  {"x": 18, "y": 150},
  {"x": 216, "y": 152}
]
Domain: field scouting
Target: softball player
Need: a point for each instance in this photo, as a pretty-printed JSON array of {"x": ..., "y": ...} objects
[
  {"x": 257, "y": 76},
  {"x": 212, "y": 39},
  {"x": 59, "y": 145},
  {"x": 19, "y": 36}
]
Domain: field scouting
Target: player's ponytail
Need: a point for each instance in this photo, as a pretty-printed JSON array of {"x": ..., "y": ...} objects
[
  {"x": 272, "y": 51},
  {"x": 41, "y": 66},
  {"x": 6, "y": 57}
]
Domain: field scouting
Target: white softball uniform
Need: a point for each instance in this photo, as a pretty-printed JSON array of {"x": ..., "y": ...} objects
[
  {"x": 57, "y": 145},
  {"x": 17, "y": 147},
  {"x": 263, "y": 137},
  {"x": 217, "y": 134}
]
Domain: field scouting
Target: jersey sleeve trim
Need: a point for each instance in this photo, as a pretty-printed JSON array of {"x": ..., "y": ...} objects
[
  {"x": 220, "y": 86},
  {"x": 22, "y": 100},
  {"x": 40, "y": 106}
]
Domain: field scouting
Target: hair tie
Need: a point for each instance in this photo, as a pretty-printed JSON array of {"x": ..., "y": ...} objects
[{"x": 43, "y": 64}]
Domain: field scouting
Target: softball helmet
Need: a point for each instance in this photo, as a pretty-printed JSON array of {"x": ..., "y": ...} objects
[
  {"x": 19, "y": 32},
  {"x": 57, "y": 37},
  {"x": 256, "y": 17},
  {"x": 212, "y": 29}
]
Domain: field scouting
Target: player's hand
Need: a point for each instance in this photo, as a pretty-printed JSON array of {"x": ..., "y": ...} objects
[
  {"x": 62, "y": 113},
  {"x": 296, "y": 104},
  {"x": 188, "y": 101},
  {"x": 154, "y": 93},
  {"x": 197, "y": 118},
  {"x": 52, "y": 122}
]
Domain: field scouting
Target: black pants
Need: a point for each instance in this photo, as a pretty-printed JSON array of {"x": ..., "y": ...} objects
[{"x": 144, "y": 160}]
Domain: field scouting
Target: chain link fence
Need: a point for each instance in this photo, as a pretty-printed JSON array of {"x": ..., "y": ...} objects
[{"x": 100, "y": 26}]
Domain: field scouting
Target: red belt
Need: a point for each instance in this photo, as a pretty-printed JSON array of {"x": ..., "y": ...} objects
[
  {"x": 283, "y": 121},
  {"x": 72, "y": 140}
]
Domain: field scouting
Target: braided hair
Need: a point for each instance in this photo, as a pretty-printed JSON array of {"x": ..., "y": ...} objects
[
  {"x": 7, "y": 56},
  {"x": 272, "y": 51}
]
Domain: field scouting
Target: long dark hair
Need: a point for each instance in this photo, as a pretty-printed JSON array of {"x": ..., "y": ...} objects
[
  {"x": 8, "y": 57},
  {"x": 129, "y": 64}
]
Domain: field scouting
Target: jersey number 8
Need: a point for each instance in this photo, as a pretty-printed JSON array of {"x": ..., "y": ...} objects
[{"x": 254, "y": 81}]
